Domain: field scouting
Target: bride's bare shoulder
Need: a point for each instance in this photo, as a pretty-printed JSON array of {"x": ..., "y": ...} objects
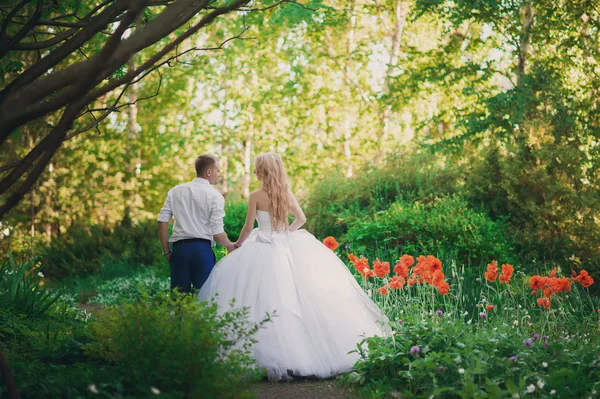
[{"x": 260, "y": 193}]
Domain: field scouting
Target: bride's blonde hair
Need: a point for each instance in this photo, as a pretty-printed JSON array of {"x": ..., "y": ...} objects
[{"x": 275, "y": 182}]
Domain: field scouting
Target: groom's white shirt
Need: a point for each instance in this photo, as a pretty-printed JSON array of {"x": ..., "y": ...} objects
[{"x": 198, "y": 208}]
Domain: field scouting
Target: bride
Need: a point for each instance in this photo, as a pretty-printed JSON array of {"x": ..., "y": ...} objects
[{"x": 321, "y": 311}]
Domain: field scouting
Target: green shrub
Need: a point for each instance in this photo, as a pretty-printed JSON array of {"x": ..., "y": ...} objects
[
  {"x": 468, "y": 361},
  {"x": 445, "y": 225},
  {"x": 84, "y": 249},
  {"x": 235, "y": 217},
  {"x": 550, "y": 200},
  {"x": 77, "y": 252},
  {"x": 21, "y": 292},
  {"x": 336, "y": 202},
  {"x": 179, "y": 346},
  {"x": 46, "y": 355}
]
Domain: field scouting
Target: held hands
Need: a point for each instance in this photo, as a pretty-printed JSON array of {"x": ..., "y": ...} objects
[{"x": 231, "y": 248}]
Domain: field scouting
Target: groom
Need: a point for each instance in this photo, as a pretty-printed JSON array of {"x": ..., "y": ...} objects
[{"x": 199, "y": 210}]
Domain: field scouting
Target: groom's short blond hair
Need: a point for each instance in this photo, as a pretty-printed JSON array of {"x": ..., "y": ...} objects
[{"x": 205, "y": 162}]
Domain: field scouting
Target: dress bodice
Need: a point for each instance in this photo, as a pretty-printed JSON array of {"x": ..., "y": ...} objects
[{"x": 264, "y": 221}]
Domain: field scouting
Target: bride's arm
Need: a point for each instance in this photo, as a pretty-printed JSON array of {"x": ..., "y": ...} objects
[
  {"x": 299, "y": 218},
  {"x": 249, "y": 225}
]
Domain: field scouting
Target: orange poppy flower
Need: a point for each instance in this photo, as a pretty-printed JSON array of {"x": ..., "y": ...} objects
[
  {"x": 401, "y": 269},
  {"x": 381, "y": 269},
  {"x": 553, "y": 272},
  {"x": 330, "y": 243},
  {"x": 436, "y": 264},
  {"x": 584, "y": 279},
  {"x": 438, "y": 278},
  {"x": 397, "y": 282},
  {"x": 383, "y": 290},
  {"x": 507, "y": 272},
  {"x": 492, "y": 272},
  {"x": 544, "y": 302},
  {"x": 537, "y": 282},
  {"x": 407, "y": 260},
  {"x": 368, "y": 273},
  {"x": 361, "y": 265},
  {"x": 489, "y": 307},
  {"x": 352, "y": 258},
  {"x": 443, "y": 288}
]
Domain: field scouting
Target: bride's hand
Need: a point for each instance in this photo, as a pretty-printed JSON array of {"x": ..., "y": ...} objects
[{"x": 237, "y": 244}]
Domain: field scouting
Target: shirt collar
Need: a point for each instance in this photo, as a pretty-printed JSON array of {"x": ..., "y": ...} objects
[{"x": 201, "y": 180}]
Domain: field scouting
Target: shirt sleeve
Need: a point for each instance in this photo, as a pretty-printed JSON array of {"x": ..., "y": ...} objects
[
  {"x": 217, "y": 214},
  {"x": 166, "y": 213}
]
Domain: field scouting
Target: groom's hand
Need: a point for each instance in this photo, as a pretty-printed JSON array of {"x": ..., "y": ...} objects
[{"x": 231, "y": 248}]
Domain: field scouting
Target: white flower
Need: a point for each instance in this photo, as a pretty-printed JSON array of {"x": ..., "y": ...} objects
[
  {"x": 516, "y": 322},
  {"x": 461, "y": 371},
  {"x": 41, "y": 274},
  {"x": 516, "y": 395},
  {"x": 544, "y": 364},
  {"x": 552, "y": 392},
  {"x": 93, "y": 389},
  {"x": 540, "y": 384},
  {"x": 6, "y": 231},
  {"x": 155, "y": 390},
  {"x": 530, "y": 388}
]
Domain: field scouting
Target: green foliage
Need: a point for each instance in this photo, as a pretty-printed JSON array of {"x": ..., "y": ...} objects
[
  {"x": 21, "y": 292},
  {"x": 458, "y": 361},
  {"x": 128, "y": 289},
  {"x": 46, "y": 352},
  {"x": 337, "y": 202},
  {"x": 235, "y": 217},
  {"x": 83, "y": 250},
  {"x": 179, "y": 346},
  {"x": 446, "y": 225}
]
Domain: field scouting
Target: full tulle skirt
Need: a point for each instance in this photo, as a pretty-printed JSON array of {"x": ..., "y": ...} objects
[{"x": 321, "y": 313}]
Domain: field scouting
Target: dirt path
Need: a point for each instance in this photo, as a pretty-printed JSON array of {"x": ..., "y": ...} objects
[{"x": 302, "y": 389}]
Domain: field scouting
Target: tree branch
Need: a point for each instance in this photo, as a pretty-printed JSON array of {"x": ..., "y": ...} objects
[
  {"x": 6, "y": 46},
  {"x": 9, "y": 18},
  {"x": 51, "y": 83},
  {"x": 112, "y": 109}
]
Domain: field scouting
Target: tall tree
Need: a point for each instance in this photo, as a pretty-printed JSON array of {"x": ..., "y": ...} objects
[{"x": 62, "y": 86}]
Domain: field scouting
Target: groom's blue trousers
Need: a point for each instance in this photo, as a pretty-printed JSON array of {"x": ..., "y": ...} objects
[{"x": 192, "y": 261}]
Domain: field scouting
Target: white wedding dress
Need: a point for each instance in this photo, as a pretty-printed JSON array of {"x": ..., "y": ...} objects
[{"x": 321, "y": 311}]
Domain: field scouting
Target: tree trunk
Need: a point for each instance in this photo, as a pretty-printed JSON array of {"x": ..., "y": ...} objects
[
  {"x": 224, "y": 161},
  {"x": 347, "y": 152},
  {"x": 401, "y": 11},
  {"x": 130, "y": 193},
  {"x": 9, "y": 380},
  {"x": 527, "y": 15},
  {"x": 346, "y": 127},
  {"x": 247, "y": 166}
]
